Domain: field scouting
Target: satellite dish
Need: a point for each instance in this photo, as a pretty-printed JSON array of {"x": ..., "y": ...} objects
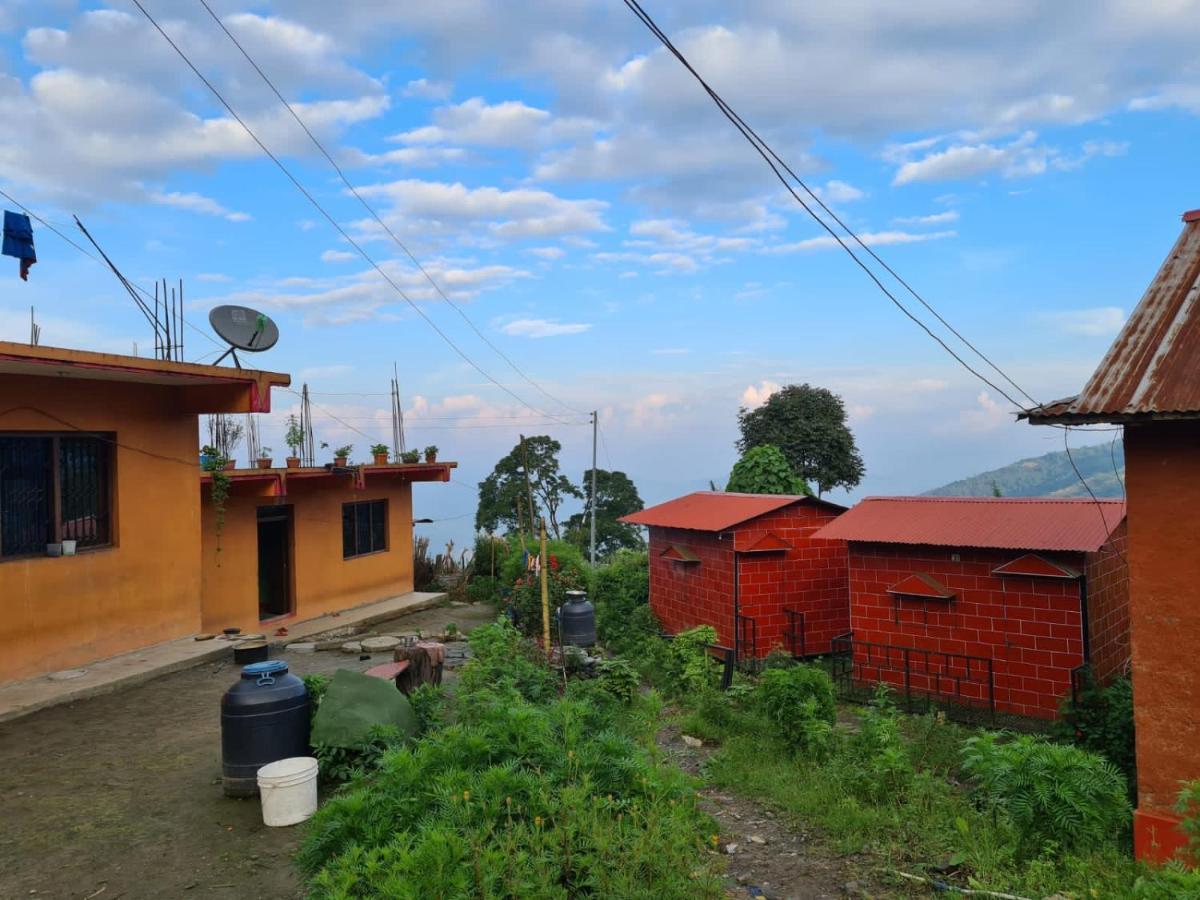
[{"x": 243, "y": 329}]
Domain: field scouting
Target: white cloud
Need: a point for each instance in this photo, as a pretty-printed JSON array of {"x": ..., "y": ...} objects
[
  {"x": 197, "y": 203},
  {"x": 215, "y": 277},
  {"x": 510, "y": 123},
  {"x": 542, "y": 328},
  {"x": 941, "y": 218},
  {"x": 870, "y": 238},
  {"x": 1023, "y": 156},
  {"x": 756, "y": 395},
  {"x": 547, "y": 252},
  {"x": 839, "y": 192},
  {"x": 1100, "y": 321},
  {"x": 424, "y": 89},
  {"x": 431, "y": 207},
  {"x": 338, "y": 256},
  {"x": 986, "y": 415}
]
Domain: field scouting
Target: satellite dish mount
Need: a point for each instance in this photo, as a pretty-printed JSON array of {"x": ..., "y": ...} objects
[{"x": 243, "y": 329}]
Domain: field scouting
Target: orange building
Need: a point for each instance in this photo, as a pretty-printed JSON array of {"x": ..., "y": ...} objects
[
  {"x": 98, "y": 455},
  {"x": 1150, "y": 382}
]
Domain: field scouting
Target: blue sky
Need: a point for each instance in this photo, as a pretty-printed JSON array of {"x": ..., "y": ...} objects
[{"x": 1022, "y": 164}]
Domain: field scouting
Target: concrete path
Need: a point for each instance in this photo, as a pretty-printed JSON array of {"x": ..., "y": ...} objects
[{"x": 20, "y": 698}]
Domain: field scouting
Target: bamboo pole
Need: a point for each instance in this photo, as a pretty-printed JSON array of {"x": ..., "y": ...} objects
[{"x": 545, "y": 593}]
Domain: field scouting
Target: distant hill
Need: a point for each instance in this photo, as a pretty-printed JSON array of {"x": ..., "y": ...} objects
[{"x": 1047, "y": 476}]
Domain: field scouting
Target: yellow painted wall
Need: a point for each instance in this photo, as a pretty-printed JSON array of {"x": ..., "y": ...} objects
[
  {"x": 65, "y": 612},
  {"x": 322, "y": 580}
]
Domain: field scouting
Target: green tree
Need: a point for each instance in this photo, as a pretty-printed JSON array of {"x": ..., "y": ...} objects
[
  {"x": 765, "y": 470},
  {"x": 503, "y": 503},
  {"x": 808, "y": 424},
  {"x": 616, "y": 496}
]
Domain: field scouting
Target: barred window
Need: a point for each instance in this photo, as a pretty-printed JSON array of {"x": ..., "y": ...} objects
[
  {"x": 364, "y": 528},
  {"x": 53, "y": 488}
]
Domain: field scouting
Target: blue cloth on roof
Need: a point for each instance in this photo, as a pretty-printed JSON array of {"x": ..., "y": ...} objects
[{"x": 18, "y": 240}]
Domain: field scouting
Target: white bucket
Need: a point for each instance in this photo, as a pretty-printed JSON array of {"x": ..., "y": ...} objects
[{"x": 289, "y": 790}]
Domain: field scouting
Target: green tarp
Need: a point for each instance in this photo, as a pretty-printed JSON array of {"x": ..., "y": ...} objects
[{"x": 353, "y": 703}]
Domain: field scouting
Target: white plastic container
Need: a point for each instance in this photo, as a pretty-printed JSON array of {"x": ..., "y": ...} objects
[
  {"x": 68, "y": 548},
  {"x": 289, "y": 790}
]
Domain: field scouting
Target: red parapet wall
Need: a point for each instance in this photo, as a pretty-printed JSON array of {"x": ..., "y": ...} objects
[
  {"x": 1031, "y": 628},
  {"x": 1108, "y": 606},
  {"x": 809, "y": 576}
]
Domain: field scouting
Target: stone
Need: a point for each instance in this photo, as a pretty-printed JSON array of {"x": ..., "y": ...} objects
[
  {"x": 204, "y": 637},
  {"x": 693, "y": 742},
  {"x": 731, "y": 849},
  {"x": 329, "y": 644},
  {"x": 67, "y": 674},
  {"x": 302, "y": 647},
  {"x": 352, "y": 647},
  {"x": 757, "y": 839},
  {"x": 379, "y": 644}
]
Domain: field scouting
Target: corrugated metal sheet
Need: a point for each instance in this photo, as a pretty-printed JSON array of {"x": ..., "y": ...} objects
[
  {"x": 993, "y": 522},
  {"x": 1153, "y": 367},
  {"x": 715, "y": 511}
]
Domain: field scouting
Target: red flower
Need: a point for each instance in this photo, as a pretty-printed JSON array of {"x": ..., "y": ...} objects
[{"x": 554, "y": 563}]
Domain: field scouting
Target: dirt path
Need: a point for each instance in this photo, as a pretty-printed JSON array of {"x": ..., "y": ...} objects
[
  {"x": 768, "y": 857},
  {"x": 120, "y": 796}
]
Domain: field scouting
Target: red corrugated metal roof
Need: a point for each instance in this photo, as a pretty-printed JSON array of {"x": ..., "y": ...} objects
[
  {"x": 715, "y": 510},
  {"x": 993, "y": 522},
  {"x": 1152, "y": 369}
]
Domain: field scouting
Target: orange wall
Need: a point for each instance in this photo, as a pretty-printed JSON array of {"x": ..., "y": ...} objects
[
  {"x": 65, "y": 612},
  {"x": 322, "y": 580},
  {"x": 1163, "y": 487}
]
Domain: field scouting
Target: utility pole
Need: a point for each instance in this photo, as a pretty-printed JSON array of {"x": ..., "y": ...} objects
[{"x": 595, "y": 430}]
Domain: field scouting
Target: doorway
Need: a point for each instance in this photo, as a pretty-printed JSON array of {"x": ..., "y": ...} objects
[{"x": 274, "y": 561}]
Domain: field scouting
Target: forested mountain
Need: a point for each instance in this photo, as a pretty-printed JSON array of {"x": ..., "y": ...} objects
[{"x": 1048, "y": 476}]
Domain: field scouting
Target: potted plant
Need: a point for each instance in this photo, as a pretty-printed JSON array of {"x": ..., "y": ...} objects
[
  {"x": 230, "y": 464},
  {"x": 341, "y": 456},
  {"x": 294, "y": 438},
  {"x": 380, "y": 452},
  {"x": 431, "y": 453},
  {"x": 410, "y": 456},
  {"x": 264, "y": 458},
  {"x": 207, "y": 454}
]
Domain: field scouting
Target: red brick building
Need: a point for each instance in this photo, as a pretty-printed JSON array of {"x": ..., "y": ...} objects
[
  {"x": 1150, "y": 382},
  {"x": 985, "y": 600},
  {"x": 748, "y": 565}
]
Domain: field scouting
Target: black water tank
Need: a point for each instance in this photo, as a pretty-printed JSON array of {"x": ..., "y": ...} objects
[
  {"x": 264, "y": 718},
  {"x": 577, "y": 621}
]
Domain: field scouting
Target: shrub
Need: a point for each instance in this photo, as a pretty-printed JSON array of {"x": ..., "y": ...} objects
[
  {"x": 879, "y": 767},
  {"x": 1100, "y": 719},
  {"x": 503, "y": 660},
  {"x": 429, "y": 704},
  {"x": 490, "y": 554},
  {"x": 483, "y": 589},
  {"x": 799, "y": 703},
  {"x": 619, "y": 678},
  {"x": 338, "y": 765},
  {"x": 1188, "y": 806},
  {"x": 317, "y": 685},
  {"x": 689, "y": 669},
  {"x": 565, "y": 572},
  {"x": 1056, "y": 796}
]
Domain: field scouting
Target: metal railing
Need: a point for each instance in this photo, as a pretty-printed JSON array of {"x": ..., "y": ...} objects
[
  {"x": 923, "y": 679},
  {"x": 795, "y": 635}
]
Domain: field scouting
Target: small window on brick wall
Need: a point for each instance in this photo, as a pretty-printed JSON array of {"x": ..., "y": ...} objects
[
  {"x": 364, "y": 528},
  {"x": 54, "y": 487}
]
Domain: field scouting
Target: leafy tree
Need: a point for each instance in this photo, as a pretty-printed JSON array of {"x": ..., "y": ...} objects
[
  {"x": 765, "y": 470},
  {"x": 616, "y": 496},
  {"x": 502, "y": 498},
  {"x": 808, "y": 424}
]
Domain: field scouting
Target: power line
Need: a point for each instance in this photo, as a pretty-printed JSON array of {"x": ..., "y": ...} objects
[
  {"x": 332, "y": 221},
  {"x": 374, "y": 215}
]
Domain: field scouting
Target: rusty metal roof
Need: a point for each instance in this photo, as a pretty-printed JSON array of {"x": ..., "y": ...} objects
[
  {"x": 991, "y": 522},
  {"x": 716, "y": 510},
  {"x": 1152, "y": 369}
]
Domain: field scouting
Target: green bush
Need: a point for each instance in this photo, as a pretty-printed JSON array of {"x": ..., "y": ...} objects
[
  {"x": 1056, "y": 796},
  {"x": 316, "y": 685},
  {"x": 565, "y": 572},
  {"x": 563, "y": 555},
  {"x": 1100, "y": 719},
  {"x": 483, "y": 589},
  {"x": 799, "y": 703},
  {"x": 689, "y": 669},
  {"x": 504, "y": 660},
  {"x": 878, "y": 767},
  {"x": 621, "y": 594},
  {"x": 619, "y": 678},
  {"x": 429, "y": 704},
  {"x": 338, "y": 765},
  {"x": 489, "y": 556}
]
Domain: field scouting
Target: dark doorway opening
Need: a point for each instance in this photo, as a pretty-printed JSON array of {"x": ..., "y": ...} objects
[{"x": 274, "y": 561}]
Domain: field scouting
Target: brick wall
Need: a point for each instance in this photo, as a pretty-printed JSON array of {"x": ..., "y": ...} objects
[
  {"x": 1030, "y": 628},
  {"x": 810, "y": 577},
  {"x": 684, "y": 595},
  {"x": 1108, "y": 605}
]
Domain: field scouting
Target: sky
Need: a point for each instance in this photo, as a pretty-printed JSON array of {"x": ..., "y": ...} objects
[{"x": 613, "y": 240}]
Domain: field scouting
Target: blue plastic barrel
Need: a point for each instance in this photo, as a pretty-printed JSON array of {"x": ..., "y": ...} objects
[{"x": 264, "y": 718}]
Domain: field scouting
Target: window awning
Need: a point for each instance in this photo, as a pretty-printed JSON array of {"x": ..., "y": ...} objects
[
  {"x": 679, "y": 553},
  {"x": 922, "y": 587},
  {"x": 1035, "y": 566}
]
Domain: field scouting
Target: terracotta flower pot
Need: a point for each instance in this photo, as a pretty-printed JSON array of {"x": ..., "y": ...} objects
[
  {"x": 430, "y": 457},
  {"x": 264, "y": 462},
  {"x": 381, "y": 459},
  {"x": 231, "y": 465},
  {"x": 341, "y": 461},
  {"x": 293, "y": 462}
]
